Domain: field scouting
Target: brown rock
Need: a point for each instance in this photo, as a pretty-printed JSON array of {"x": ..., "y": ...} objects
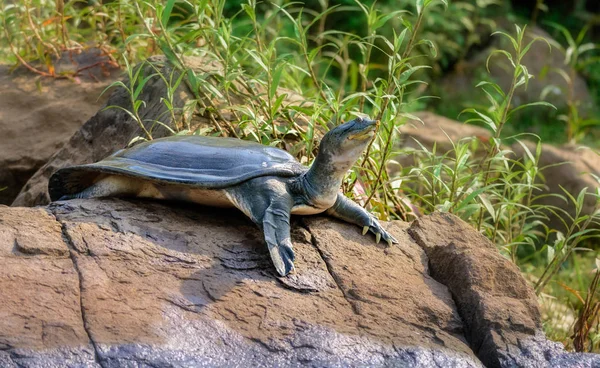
[
  {"x": 151, "y": 286},
  {"x": 432, "y": 130},
  {"x": 112, "y": 283},
  {"x": 39, "y": 290},
  {"x": 441, "y": 130},
  {"x": 213, "y": 274},
  {"x": 498, "y": 307},
  {"x": 38, "y": 114}
]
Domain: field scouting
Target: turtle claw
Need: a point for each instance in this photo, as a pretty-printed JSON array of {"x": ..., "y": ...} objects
[
  {"x": 283, "y": 256},
  {"x": 284, "y": 265},
  {"x": 365, "y": 229},
  {"x": 379, "y": 232},
  {"x": 287, "y": 255}
]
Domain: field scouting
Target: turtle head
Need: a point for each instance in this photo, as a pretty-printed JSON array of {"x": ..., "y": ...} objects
[
  {"x": 339, "y": 150},
  {"x": 344, "y": 144}
]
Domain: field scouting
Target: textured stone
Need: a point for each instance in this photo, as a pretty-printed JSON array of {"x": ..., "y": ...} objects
[
  {"x": 166, "y": 286},
  {"x": 38, "y": 114},
  {"x": 114, "y": 283},
  {"x": 499, "y": 309},
  {"x": 40, "y": 314}
]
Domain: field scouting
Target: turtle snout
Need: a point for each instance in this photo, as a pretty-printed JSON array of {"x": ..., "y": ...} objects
[
  {"x": 364, "y": 129},
  {"x": 366, "y": 121},
  {"x": 370, "y": 122}
]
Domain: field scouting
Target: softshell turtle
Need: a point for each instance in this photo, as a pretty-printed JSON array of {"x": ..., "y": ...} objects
[{"x": 265, "y": 183}]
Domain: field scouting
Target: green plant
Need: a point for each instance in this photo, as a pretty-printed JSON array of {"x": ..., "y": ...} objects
[
  {"x": 500, "y": 112},
  {"x": 539, "y": 6},
  {"x": 484, "y": 185},
  {"x": 589, "y": 317},
  {"x": 137, "y": 81},
  {"x": 36, "y": 34},
  {"x": 575, "y": 57},
  {"x": 499, "y": 193}
]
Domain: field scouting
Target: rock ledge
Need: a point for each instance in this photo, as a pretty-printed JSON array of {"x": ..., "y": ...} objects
[{"x": 112, "y": 283}]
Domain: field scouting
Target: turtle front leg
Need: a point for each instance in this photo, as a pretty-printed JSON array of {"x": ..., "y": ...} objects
[
  {"x": 345, "y": 209},
  {"x": 270, "y": 209},
  {"x": 276, "y": 226}
]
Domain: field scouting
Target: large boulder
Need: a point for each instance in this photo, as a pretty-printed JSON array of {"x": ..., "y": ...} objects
[
  {"x": 111, "y": 283},
  {"x": 38, "y": 114}
]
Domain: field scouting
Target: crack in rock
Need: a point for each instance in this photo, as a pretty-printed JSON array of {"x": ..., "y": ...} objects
[
  {"x": 72, "y": 252},
  {"x": 353, "y": 304}
]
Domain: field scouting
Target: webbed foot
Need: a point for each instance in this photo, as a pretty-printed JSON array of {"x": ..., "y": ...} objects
[
  {"x": 276, "y": 226},
  {"x": 376, "y": 228},
  {"x": 282, "y": 256},
  {"x": 351, "y": 212}
]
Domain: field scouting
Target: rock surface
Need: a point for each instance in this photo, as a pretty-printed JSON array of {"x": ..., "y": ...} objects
[
  {"x": 440, "y": 130},
  {"x": 38, "y": 114},
  {"x": 497, "y": 306},
  {"x": 112, "y": 283}
]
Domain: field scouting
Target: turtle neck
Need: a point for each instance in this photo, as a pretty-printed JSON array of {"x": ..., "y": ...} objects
[{"x": 324, "y": 178}]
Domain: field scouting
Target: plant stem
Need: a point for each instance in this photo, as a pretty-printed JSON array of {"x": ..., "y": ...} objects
[
  {"x": 493, "y": 150},
  {"x": 391, "y": 86},
  {"x": 382, "y": 164}
]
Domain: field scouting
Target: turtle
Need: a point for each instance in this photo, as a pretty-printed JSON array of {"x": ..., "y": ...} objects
[{"x": 266, "y": 183}]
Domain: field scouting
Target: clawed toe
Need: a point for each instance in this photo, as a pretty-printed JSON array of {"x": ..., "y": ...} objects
[
  {"x": 390, "y": 239},
  {"x": 287, "y": 256},
  {"x": 289, "y": 267},
  {"x": 285, "y": 267},
  {"x": 380, "y": 233},
  {"x": 287, "y": 253}
]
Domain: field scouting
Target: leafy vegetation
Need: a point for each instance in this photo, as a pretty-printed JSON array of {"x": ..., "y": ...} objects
[{"x": 349, "y": 59}]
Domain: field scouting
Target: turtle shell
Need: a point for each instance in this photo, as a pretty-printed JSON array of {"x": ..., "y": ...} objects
[{"x": 197, "y": 161}]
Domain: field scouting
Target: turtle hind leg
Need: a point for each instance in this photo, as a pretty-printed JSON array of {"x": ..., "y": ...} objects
[
  {"x": 86, "y": 193},
  {"x": 110, "y": 186}
]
